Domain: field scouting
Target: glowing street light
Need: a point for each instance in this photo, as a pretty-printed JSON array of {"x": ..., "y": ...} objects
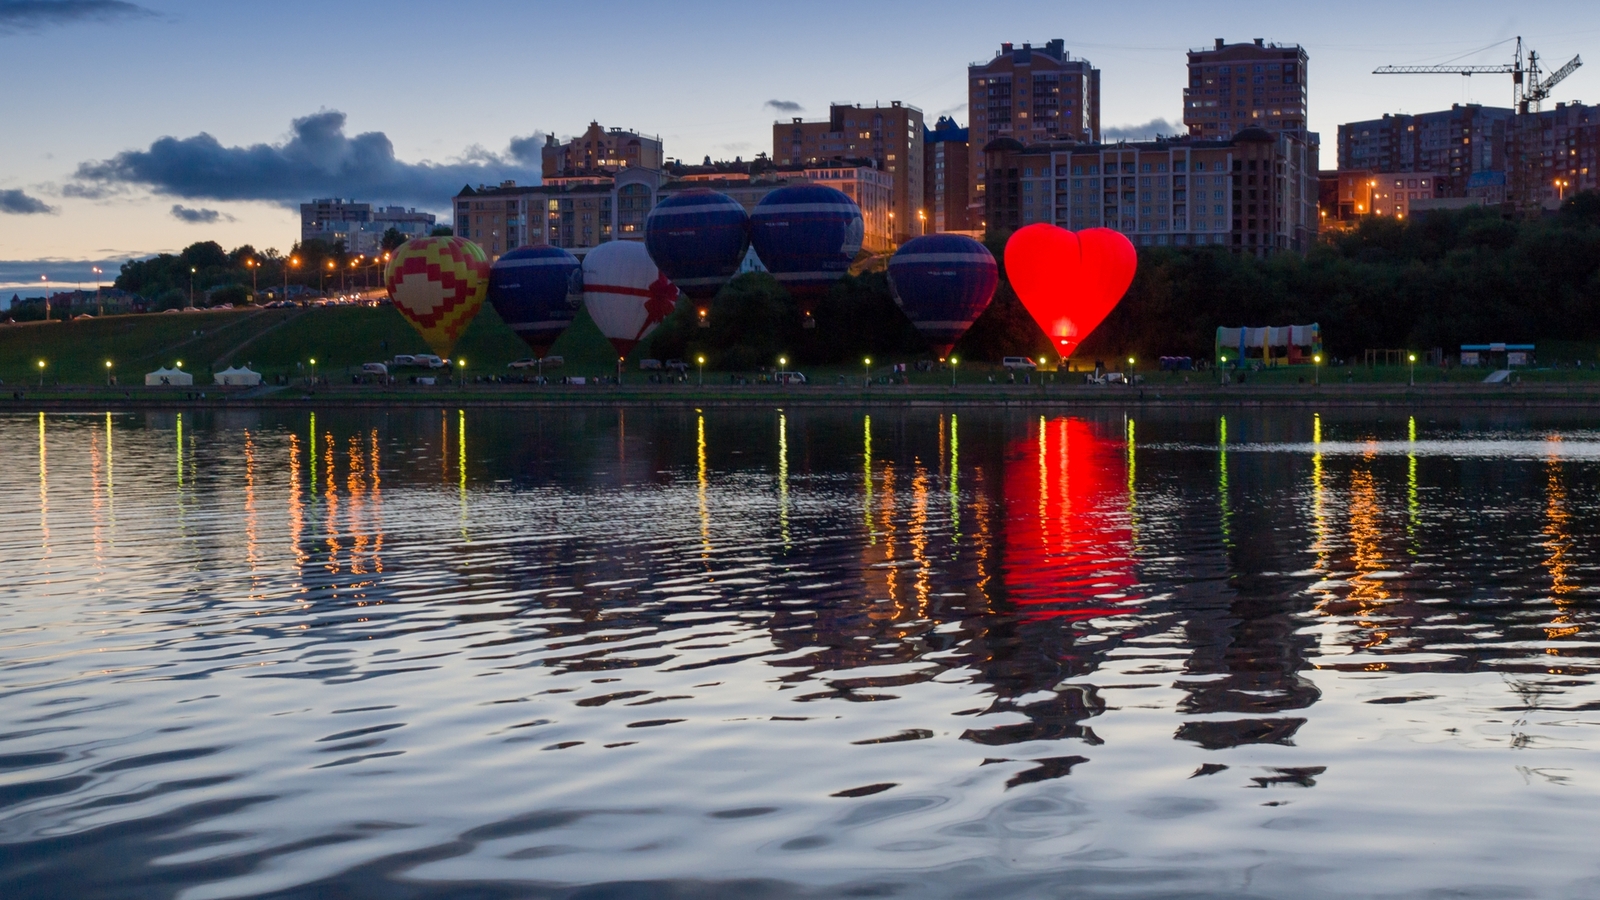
[
  {"x": 191, "y": 287},
  {"x": 701, "y": 362},
  {"x": 1316, "y": 369},
  {"x": 868, "y": 363},
  {"x": 108, "y": 373},
  {"x": 295, "y": 262},
  {"x": 313, "y": 369},
  {"x": 41, "y": 373},
  {"x": 953, "y": 362},
  {"x": 1412, "y": 358}
]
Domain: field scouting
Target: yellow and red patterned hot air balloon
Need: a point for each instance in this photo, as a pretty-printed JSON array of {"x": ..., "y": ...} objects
[{"x": 438, "y": 284}]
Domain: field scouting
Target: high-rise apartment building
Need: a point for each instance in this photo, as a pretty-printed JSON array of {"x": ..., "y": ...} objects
[
  {"x": 1552, "y": 155},
  {"x": 358, "y": 225},
  {"x": 1455, "y": 143},
  {"x": 599, "y": 150},
  {"x": 1030, "y": 95},
  {"x": 889, "y": 135},
  {"x": 945, "y": 161},
  {"x": 1237, "y": 86},
  {"x": 1255, "y": 192}
]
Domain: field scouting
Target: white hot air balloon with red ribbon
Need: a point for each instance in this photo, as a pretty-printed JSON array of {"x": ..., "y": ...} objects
[{"x": 625, "y": 293}]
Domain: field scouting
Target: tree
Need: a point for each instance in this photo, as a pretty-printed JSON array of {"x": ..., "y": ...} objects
[
  {"x": 442, "y": 231},
  {"x": 392, "y": 239}
]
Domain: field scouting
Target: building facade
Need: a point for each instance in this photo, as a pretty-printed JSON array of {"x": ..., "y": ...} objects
[
  {"x": 891, "y": 136},
  {"x": 1030, "y": 95},
  {"x": 945, "y": 164},
  {"x": 358, "y": 225},
  {"x": 1237, "y": 86},
  {"x": 1453, "y": 144},
  {"x": 1553, "y": 154},
  {"x": 579, "y": 213},
  {"x": 599, "y": 150},
  {"x": 1254, "y": 193}
]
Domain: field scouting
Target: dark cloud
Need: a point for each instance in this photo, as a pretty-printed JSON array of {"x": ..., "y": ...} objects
[
  {"x": 17, "y": 203},
  {"x": 33, "y": 15},
  {"x": 526, "y": 150},
  {"x": 198, "y": 216},
  {"x": 783, "y": 106},
  {"x": 318, "y": 160},
  {"x": 1147, "y": 131}
]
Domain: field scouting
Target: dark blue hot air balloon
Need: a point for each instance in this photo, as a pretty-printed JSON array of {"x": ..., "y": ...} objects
[
  {"x": 535, "y": 290},
  {"x": 806, "y": 235},
  {"x": 943, "y": 282},
  {"x": 698, "y": 239}
]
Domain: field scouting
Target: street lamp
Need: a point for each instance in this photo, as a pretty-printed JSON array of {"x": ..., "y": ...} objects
[
  {"x": 108, "y": 373},
  {"x": 1222, "y": 367},
  {"x": 619, "y": 371},
  {"x": 44, "y": 286},
  {"x": 922, "y": 216},
  {"x": 461, "y": 369},
  {"x": 313, "y": 370},
  {"x": 254, "y": 267},
  {"x": 191, "y": 287},
  {"x": 99, "y": 298},
  {"x": 701, "y": 361},
  {"x": 868, "y": 363},
  {"x": 1316, "y": 369},
  {"x": 293, "y": 261},
  {"x": 1130, "y": 370},
  {"x": 953, "y": 362},
  {"x": 1412, "y": 358},
  {"x": 1561, "y": 188},
  {"x": 322, "y": 279},
  {"x": 41, "y": 373}
]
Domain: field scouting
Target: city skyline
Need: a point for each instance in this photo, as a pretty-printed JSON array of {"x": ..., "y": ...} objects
[{"x": 101, "y": 110}]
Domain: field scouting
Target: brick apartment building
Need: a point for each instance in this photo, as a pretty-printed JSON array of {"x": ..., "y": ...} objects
[
  {"x": 946, "y": 158},
  {"x": 1030, "y": 95},
  {"x": 599, "y": 150},
  {"x": 891, "y": 136},
  {"x": 358, "y": 225},
  {"x": 1255, "y": 192},
  {"x": 1237, "y": 86}
]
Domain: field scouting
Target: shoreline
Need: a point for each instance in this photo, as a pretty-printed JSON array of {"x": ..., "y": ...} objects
[{"x": 1563, "y": 395}]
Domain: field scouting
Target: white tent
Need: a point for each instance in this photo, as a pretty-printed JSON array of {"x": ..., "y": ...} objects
[
  {"x": 169, "y": 376},
  {"x": 240, "y": 376}
]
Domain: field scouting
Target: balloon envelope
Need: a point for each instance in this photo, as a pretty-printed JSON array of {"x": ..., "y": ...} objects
[
  {"x": 943, "y": 282},
  {"x": 626, "y": 295},
  {"x": 806, "y": 235},
  {"x": 698, "y": 239},
  {"x": 438, "y": 284},
  {"x": 1069, "y": 281},
  {"x": 534, "y": 289}
]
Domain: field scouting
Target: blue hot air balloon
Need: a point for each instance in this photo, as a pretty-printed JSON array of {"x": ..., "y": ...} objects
[
  {"x": 698, "y": 239},
  {"x": 806, "y": 235},
  {"x": 537, "y": 291},
  {"x": 943, "y": 282}
]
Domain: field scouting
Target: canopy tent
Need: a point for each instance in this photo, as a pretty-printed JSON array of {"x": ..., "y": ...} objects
[
  {"x": 1273, "y": 345},
  {"x": 169, "y": 376},
  {"x": 240, "y": 376}
]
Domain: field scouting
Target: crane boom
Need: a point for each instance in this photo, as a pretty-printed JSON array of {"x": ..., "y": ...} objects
[
  {"x": 1444, "y": 70},
  {"x": 1542, "y": 90}
]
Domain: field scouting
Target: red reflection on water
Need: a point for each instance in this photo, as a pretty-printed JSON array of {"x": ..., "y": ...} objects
[{"x": 1068, "y": 537}]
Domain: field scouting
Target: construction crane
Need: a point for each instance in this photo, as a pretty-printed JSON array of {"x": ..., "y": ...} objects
[{"x": 1530, "y": 87}]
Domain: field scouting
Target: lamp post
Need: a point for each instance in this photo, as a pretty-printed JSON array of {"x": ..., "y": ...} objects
[
  {"x": 254, "y": 268},
  {"x": 619, "y": 371},
  {"x": 99, "y": 298},
  {"x": 293, "y": 261},
  {"x": 1561, "y": 188},
  {"x": 1412, "y": 358},
  {"x": 322, "y": 279},
  {"x": 313, "y": 371},
  {"x": 41, "y": 374},
  {"x": 108, "y": 373},
  {"x": 1130, "y": 370},
  {"x": 867, "y": 380},
  {"x": 1316, "y": 369},
  {"x": 43, "y": 286},
  {"x": 922, "y": 216},
  {"x": 191, "y": 287},
  {"x": 1222, "y": 367},
  {"x": 783, "y": 363},
  {"x": 701, "y": 362},
  {"x": 953, "y": 362},
  {"x": 461, "y": 372}
]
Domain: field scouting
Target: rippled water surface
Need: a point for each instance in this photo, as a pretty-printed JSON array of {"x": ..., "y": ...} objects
[{"x": 757, "y": 653}]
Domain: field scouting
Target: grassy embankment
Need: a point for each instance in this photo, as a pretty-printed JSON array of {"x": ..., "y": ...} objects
[{"x": 283, "y": 341}]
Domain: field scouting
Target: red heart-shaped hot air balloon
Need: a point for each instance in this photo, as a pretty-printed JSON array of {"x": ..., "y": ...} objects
[{"x": 1069, "y": 281}]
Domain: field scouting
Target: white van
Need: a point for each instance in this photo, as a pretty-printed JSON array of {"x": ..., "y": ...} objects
[
  {"x": 378, "y": 369},
  {"x": 1018, "y": 362}
]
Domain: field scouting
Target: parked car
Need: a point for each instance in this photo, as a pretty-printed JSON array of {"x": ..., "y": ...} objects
[
  {"x": 403, "y": 359},
  {"x": 378, "y": 369},
  {"x": 1018, "y": 362},
  {"x": 789, "y": 377},
  {"x": 553, "y": 362},
  {"x": 527, "y": 362},
  {"x": 429, "y": 361}
]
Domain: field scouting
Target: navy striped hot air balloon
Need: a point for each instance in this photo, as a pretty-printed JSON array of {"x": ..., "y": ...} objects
[
  {"x": 943, "y": 282},
  {"x": 807, "y": 235},
  {"x": 698, "y": 239},
  {"x": 534, "y": 289}
]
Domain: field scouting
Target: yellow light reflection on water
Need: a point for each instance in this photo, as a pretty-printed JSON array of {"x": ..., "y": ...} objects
[
  {"x": 702, "y": 481},
  {"x": 1225, "y": 510},
  {"x": 44, "y": 493},
  {"x": 461, "y": 466},
  {"x": 783, "y": 478},
  {"x": 251, "y": 534},
  {"x": 180, "y": 451},
  {"x": 955, "y": 484},
  {"x": 866, "y": 478},
  {"x": 297, "y": 519},
  {"x": 1413, "y": 510},
  {"x": 1322, "y": 546},
  {"x": 1133, "y": 495}
]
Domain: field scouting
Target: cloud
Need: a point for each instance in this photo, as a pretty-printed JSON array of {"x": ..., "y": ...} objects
[
  {"x": 318, "y": 160},
  {"x": 16, "y": 203},
  {"x": 22, "y": 275},
  {"x": 527, "y": 150},
  {"x": 198, "y": 216},
  {"x": 33, "y": 15},
  {"x": 783, "y": 106},
  {"x": 1142, "y": 132}
]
